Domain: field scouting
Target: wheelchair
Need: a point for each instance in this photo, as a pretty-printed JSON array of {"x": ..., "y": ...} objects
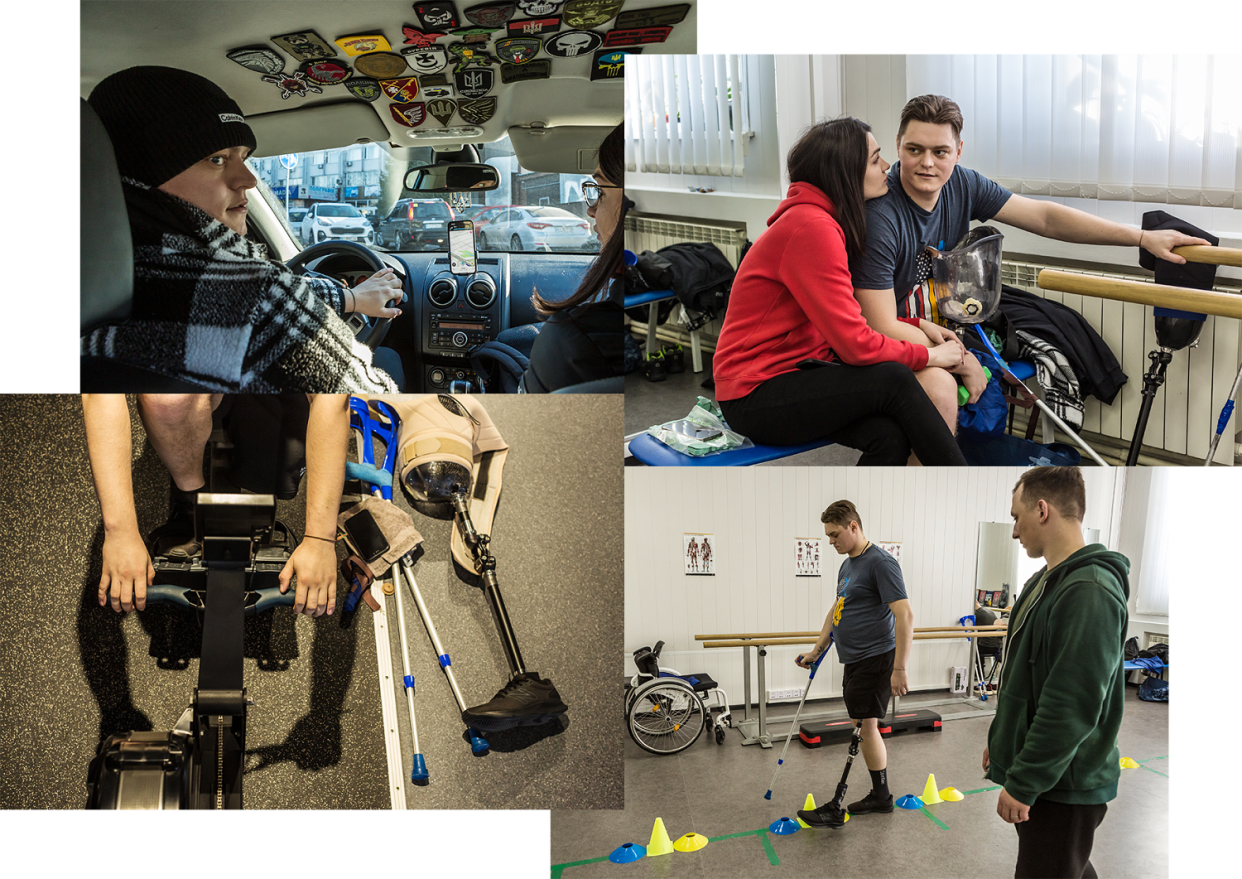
[{"x": 666, "y": 711}]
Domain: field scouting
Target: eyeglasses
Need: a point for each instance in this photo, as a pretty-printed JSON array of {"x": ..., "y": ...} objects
[{"x": 591, "y": 192}]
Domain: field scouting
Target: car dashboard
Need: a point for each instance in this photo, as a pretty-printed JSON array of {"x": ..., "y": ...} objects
[{"x": 445, "y": 316}]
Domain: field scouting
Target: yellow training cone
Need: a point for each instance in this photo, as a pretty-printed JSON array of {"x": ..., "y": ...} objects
[
  {"x": 660, "y": 843},
  {"x": 807, "y": 807},
  {"x": 930, "y": 797},
  {"x": 691, "y": 842},
  {"x": 1127, "y": 763},
  {"x": 952, "y": 795}
]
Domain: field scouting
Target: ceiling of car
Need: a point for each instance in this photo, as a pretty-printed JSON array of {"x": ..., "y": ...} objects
[{"x": 291, "y": 113}]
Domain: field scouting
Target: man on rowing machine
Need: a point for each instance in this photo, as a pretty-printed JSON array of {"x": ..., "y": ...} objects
[
  {"x": 874, "y": 631},
  {"x": 179, "y": 426}
]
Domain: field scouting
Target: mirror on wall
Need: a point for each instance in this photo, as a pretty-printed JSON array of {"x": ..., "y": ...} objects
[{"x": 1001, "y": 560}]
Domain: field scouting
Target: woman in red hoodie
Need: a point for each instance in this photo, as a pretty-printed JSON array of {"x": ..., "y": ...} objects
[{"x": 796, "y": 360}]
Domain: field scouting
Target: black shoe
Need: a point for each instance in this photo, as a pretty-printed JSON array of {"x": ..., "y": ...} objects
[
  {"x": 654, "y": 368},
  {"x": 527, "y": 700},
  {"x": 175, "y": 539},
  {"x": 674, "y": 358},
  {"x": 826, "y": 815},
  {"x": 872, "y": 803}
]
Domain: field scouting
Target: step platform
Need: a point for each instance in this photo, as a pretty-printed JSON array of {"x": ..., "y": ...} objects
[{"x": 818, "y": 733}]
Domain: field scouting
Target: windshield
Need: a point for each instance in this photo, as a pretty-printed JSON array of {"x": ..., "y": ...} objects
[{"x": 368, "y": 178}]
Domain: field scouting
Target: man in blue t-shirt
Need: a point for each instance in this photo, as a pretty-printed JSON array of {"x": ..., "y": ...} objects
[
  {"x": 872, "y": 625},
  {"x": 931, "y": 201}
]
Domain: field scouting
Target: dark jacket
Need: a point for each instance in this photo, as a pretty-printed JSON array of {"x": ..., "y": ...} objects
[
  {"x": 579, "y": 344},
  {"x": 1062, "y": 690}
]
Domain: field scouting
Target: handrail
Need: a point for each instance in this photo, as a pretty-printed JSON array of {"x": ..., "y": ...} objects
[
  {"x": 811, "y": 639},
  {"x": 1161, "y": 295},
  {"x": 1217, "y": 256},
  {"x": 751, "y": 636}
]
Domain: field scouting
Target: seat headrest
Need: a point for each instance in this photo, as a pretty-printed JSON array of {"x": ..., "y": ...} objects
[{"x": 107, "y": 272}]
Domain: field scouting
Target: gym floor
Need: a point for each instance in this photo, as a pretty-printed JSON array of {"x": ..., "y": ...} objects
[
  {"x": 74, "y": 672},
  {"x": 717, "y": 791}
]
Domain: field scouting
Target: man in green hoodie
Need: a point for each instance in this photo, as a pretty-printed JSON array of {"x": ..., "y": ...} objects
[{"x": 1053, "y": 741}]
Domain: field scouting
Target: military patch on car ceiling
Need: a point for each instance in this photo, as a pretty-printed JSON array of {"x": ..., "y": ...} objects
[
  {"x": 637, "y": 36},
  {"x": 474, "y": 83},
  {"x": 435, "y": 91},
  {"x": 492, "y": 15},
  {"x": 361, "y": 44},
  {"x": 429, "y": 80},
  {"x": 517, "y": 50},
  {"x": 415, "y": 37},
  {"x": 474, "y": 34},
  {"x": 409, "y": 115},
  {"x": 380, "y": 65},
  {"x": 260, "y": 59},
  {"x": 571, "y": 44},
  {"x": 468, "y": 55},
  {"x": 442, "y": 110},
  {"x": 403, "y": 91},
  {"x": 610, "y": 64},
  {"x": 437, "y": 16},
  {"x": 426, "y": 59},
  {"x": 328, "y": 72},
  {"x": 293, "y": 84},
  {"x": 540, "y": 8},
  {"x": 541, "y": 69},
  {"x": 653, "y": 17},
  {"x": 305, "y": 45},
  {"x": 532, "y": 27},
  {"x": 362, "y": 87},
  {"x": 476, "y": 112},
  {"x": 590, "y": 13}
]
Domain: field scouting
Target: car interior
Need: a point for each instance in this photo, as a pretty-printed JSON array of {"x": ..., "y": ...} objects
[{"x": 552, "y": 104}]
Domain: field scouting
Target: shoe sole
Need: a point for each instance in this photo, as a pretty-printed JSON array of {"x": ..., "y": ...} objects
[{"x": 497, "y": 724}]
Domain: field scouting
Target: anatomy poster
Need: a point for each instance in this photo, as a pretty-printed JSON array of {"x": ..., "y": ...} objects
[
  {"x": 893, "y": 549},
  {"x": 700, "y": 554},
  {"x": 806, "y": 552}
]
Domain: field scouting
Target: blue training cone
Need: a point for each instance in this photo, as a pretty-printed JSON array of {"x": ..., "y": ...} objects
[
  {"x": 784, "y": 826},
  {"x": 910, "y": 801},
  {"x": 628, "y": 853}
]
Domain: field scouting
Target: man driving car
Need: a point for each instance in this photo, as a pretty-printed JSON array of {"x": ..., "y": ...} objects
[{"x": 208, "y": 306}]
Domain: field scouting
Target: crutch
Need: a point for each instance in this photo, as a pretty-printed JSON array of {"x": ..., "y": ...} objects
[
  {"x": 370, "y": 428},
  {"x": 785, "y": 750},
  {"x": 1224, "y": 419}
]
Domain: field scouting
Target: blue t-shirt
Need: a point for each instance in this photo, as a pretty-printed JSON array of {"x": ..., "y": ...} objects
[
  {"x": 898, "y": 230},
  {"x": 862, "y": 623}
]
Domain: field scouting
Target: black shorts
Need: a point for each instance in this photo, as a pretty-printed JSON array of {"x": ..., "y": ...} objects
[{"x": 868, "y": 685}]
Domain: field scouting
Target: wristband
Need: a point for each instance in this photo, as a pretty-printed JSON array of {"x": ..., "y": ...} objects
[
  {"x": 1141, "y": 232},
  {"x": 328, "y": 539}
]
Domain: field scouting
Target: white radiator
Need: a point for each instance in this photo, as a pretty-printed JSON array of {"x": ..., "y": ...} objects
[
  {"x": 1150, "y": 638},
  {"x": 653, "y": 231},
  {"x": 1183, "y": 416}
]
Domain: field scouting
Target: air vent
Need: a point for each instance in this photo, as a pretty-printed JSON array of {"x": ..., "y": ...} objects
[
  {"x": 442, "y": 292},
  {"x": 481, "y": 293}
]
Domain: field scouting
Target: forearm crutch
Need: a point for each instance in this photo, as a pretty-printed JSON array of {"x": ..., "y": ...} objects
[
  {"x": 369, "y": 429},
  {"x": 785, "y": 750}
]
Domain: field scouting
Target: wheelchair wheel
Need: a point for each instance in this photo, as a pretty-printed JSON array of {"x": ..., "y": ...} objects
[{"x": 666, "y": 716}]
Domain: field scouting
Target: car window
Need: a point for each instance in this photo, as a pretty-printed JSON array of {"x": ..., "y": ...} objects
[{"x": 371, "y": 176}]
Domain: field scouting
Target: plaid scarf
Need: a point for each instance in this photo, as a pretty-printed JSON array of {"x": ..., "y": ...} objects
[
  {"x": 1056, "y": 378},
  {"x": 209, "y": 307}
]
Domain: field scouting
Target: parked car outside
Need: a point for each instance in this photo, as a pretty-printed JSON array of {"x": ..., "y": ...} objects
[
  {"x": 416, "y": 224},
  {"x": 513, "y": 227},
  {"x": 331, "y": 221}
]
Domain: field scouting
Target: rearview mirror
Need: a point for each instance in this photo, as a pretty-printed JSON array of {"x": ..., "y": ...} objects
[{"x": 452, "y": 178}]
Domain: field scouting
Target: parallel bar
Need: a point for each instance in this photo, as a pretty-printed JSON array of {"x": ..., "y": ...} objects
[
  {"x": 1162, "y": 295},
  {"x": 1217, "y": 256},
  {"x": 810, "y": 639},
  {"x": 750, "y": 636}
]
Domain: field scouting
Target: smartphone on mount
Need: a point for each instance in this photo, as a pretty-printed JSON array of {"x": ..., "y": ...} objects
[{"x": 463, "y": 260}]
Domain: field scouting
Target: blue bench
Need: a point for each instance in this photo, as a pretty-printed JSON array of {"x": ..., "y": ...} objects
[{"x": 650, "y": 451}]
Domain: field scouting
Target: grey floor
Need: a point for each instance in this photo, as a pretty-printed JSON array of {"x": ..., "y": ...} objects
[
  {"x": 73, "y": 672},
  {"x": 718, "y": 791}
]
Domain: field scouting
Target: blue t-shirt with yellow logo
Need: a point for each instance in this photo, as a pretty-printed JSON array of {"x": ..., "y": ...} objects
[{"x": 862, "y": 623}]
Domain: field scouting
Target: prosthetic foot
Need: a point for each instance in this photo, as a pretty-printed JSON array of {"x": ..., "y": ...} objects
[
  {"x": 451, "y": 453},
  {"x": 833, "y": 814}
]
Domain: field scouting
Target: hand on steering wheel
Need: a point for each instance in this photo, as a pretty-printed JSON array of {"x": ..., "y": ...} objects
[{"x": 371, "y": 297}]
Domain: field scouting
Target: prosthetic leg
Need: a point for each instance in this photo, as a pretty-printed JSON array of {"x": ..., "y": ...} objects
[
  {"x": 452, "y": 454},
  {"x": 833, "y": 814}
]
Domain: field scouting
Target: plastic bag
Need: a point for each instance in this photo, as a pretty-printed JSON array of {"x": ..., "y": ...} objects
[{"x": 702, "y": 432}]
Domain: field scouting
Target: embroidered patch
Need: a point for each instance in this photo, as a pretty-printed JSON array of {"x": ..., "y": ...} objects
[
  {"x": 426, "y": 59},
  {"x": 415, "y": 37},
  {"x": 610, "y": 64},
  {"x": 433, "y": 79},
  {"x": 437, "y": 16},
  {"x": 653, "y": 17},
  {"x": 466, "y": 56},
  {"x": 535, "y": 8},
  {"x": 435, "y": 91},
  {"x": 328, "y": 72},
  {"x": 380, "y": 65},
  {"x": 258, "y": 58},
  {"x": 403, "y": 91},
  {"x": 442, "y": 110},
  {"x": 541, "y": 69},
  {"x": 478, "y": 111},
  {"x": 361, "y": 44},
  {"x": 293, "y": 84},
  {"x": 305, "y": 45},
  {"x": 490, "y": 14},
  {"x": 475, "y": 83},
  {"x": 637, "y": 36},
  {"x": 572, "y": 44},
  {"x": 530, "y": 27},
  {"x": 590, "y": 13},
  {"x": 474, "y": 34},
  {"x": 517, "y": 50},
  {"x": 409, "y": 115},
  {"x": 363, "y": 87},
  {"x": 230, "y": 117}
]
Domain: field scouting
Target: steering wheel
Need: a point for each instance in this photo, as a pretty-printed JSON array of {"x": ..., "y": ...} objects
[{"x": 370, "y": 331}]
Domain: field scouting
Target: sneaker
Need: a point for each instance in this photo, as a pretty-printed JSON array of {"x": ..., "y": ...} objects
[
  {"x": 826, "y": 815},
  {"x": 654, "y": 368},
  {"x": 674, "y": 358},
  {"x": 527, "y": 700},
  {"x": 872, "y": 803},
  {"x": 175, "y": 539}
]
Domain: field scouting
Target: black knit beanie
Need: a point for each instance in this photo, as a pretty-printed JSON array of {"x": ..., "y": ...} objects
[{"x": 162, "y": 120}]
